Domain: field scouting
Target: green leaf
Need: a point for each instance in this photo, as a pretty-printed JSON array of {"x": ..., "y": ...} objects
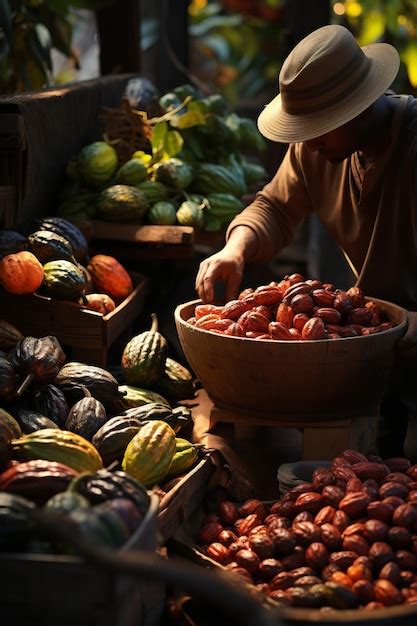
[
  {"x": 409, "y": 56},
  {"x": 158, "y": 137},
  {"x": 189, "y": 119},
  {"x": 173, "y": 143}
]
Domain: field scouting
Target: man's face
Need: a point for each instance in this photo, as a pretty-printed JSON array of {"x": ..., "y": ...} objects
[{"x": 339, "y": 144}]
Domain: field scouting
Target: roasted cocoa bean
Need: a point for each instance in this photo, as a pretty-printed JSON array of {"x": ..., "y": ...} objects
[
  {"x": 311, "y": 502},
  {"x": 325, "y": 516},
  {"x": 283, "y": 580},
  {"x": 251, "y": 507},
  {"x": 364, "y": 591},
  {"x": 391, "y": 572},
  {"x": 406, "y": 560},
  {"x": 343, "y": 559},
  {"x": 341, "y": 520},
  {"x": 247, "y": 559},
  {"x": 356, "y": 543},
  {"x": 398, "y": 464},
  {"x": 284, "y": 540},
  {"x": 226, "y": 537},
  {"x": 354, "y": 504},
  {"x": 332, "y": 496},
  {"x": 358, "y": 571},
  {"x": 209, "y": 533},
  {"x": 218, "y": 552},
  {"x": 341, "y": 579},
  {"x": 393, "y": 489},
  {"x": 387, "y": 593},
  {"x": 245, "y": 525},
  {"x": 304, "y": 516},
  {"x": 306, "y": 533},
  {"x": 268, "y": 568},
  {"x": 377, "y": 471},
  {"x": 405, "y": 515},
  {"x": 228, "y": 513},
  {"x": 330, "y": 537},
  {"x": 380, "y": 553},
  {"x": 316, "y": 555},
  {"x": 375, "y": 530},
  {"x": 399, "y": 537},
  {"x": 381, "y": 511},
  {"x": 262, "y": 545}
]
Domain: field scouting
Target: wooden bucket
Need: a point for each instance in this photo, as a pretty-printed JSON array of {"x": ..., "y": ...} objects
[{"x": 303, "y": 380}]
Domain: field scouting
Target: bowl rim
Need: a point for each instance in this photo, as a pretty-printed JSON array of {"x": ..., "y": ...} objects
[{"x": 401, "y": 326}]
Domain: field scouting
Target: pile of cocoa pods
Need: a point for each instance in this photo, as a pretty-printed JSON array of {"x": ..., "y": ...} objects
[
  {"x": 294, "y": 309},
  {"x": 346, "y": 540}
]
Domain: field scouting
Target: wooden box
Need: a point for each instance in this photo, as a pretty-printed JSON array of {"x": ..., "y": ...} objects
[
  {"x": 64, "y": 590},
  {"x": 85, "y": 335}
]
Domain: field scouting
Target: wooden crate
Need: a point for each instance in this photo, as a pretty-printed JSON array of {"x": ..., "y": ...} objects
[
  {"x": 64, "y": 590},
  {"x": 184, "y": 498},
  {"x": 86, "y": 334}
]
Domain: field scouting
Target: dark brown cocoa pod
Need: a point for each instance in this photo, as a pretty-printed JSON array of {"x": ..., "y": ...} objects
[
  {"x": 356, "y": 543},
  {"x": 325, "y": 516},
  {"x": 354, "y": 504},
  {"x": 251, "y": 507},
  {"x": 304, "y": 516},
  {"x": 405, "y": 515},
  {"x": 330, "y": 537},
  {"x": 399, "y": 538},
  {"x": 284, "y": 540},
  {"x": 341, "y": 520},
  {"x": 228, "y": 513},
  {"x": 407, "y": 579},
  {"x": 393, "y": 489},
  {"x": 380, "y": 553},
  {"x": 332, "y": 495},
  {"x": 364, "y": 591},
  {"x": 283, "y": 580},
  {"x": 381, "y": 511},
  {"x": 278, "y": 522},
  {"x": 268, "y": 568},
  {"x": 391, "y": 572},
  {"x": 294, "y": 560},
  {"x": 218, "y": 552},
  {"x": 298, "y": 490},
  {"x": 375, "y": 530},
  {"x": 397, "y": 477},
  {"x": 328, "y": 571},
  {"x": 310, "y": 501},
  {"x": 343, "y": 559},
  {"x": 303, "y": 598},
  {"x": 307, "y": 581},
  {"x": 209, "y": 533},
  {"x": 226, "y": 537},
  {"x": 244, "y": 526},
  {"x": 280, "y": 597},
  {"x": 306, "y": 533},
  {"x": 406, "y": 560},
  {"x": 317, "y": 555},
  {"x": 262, "y": 545},
  {"x": 398, "y": 464},
  {"x": 247, "y": 559},
  {"x": 339, "y": 596}
]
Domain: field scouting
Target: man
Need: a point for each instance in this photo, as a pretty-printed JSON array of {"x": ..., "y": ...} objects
[{"x": 352, "y": 159}]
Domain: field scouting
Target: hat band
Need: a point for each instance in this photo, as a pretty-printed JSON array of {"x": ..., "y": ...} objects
[{"x": 335, "y": 89}]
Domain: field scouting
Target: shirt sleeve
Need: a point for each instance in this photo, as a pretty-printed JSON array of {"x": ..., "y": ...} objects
[{"x": 278, "y": 209}]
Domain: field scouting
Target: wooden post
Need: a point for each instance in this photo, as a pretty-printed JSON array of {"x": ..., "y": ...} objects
[
  {"x": 172, "y": 54},
  {"x": 119, "y": 31}
]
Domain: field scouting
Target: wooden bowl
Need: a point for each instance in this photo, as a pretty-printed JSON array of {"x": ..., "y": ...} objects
[{"x": 309, "y": 380}]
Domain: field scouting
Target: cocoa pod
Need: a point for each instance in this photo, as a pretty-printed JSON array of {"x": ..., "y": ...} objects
[
  {"x": 398, "y": 537},
  {"x": 283, "y": 580},
  {"x": 261, "y": 529},
  {"x": 343, "y": 559},
  {"x": 358, "y": 571},
  {"x": 361, "y": 315},
  {"x": 332, "y": 495},
  {"x": 380, "y": 553},
  {"x": 391, "y": 572},
  {"x": 405, "y": 515},
  {"x": 302, "y": 303},
  {"x": 306, "y": 533},
  {"x": 267, "y": 295},
  {"x": 310, "y": 501},
  {"x": 397, "y": 477},
  {"x": 376, "y": 471},
  {"x": 313, "y": 330},
  {"x": 262, "y": 545},
  {"x": 279, "y": 331},
  {"x": 243, "y": 526},
  {"x": 246, "y": 292},
  {"x": 393, "y": 489},
  {"x": 280, "y": 597},
  {"x": 387, "y": 593},
  {"x": 340, "y": 520},
  {"x": 372, "y": 606},
  {"x": 233, "y": 309},
  {"x": 247, "y": 559},
  {"x": 304, "y": 516},
  {"x": 210, "y": 518},
  {"x": 355, "y": 503},
  {"x": 294, "y": 560},
  {"x": 330, "y": 537},
  {"x": 397, "y": 464},
  {"x": 375, "y": 530},
  {"x": 325, "y": 516},
  {"x": 380, "y": 510},
  {"x": 294, "y": 290},
  {"x": 342, "y": 303},
  {"x": 228, "y": 513},
  {"x": 354, "y": 484},
  {"x": 209, "y": 533},
  {"x": 406, "y": 560},
  {"x": 253, "y": 506},
  {"x": 328, "y": 315},
  {"x": 235, "y": 330},
  {"x": 299, "y": 321},
  {"x": 226, "y": 537},
  {"x": 323, "y": 298},
  {"x": 356, "y": 543},
  {"x": 316, "y": 555},
  {"x": 354, "y": 529},
  {"x": 357, "y": 296},
  {"x": 218, "y": 552},
  {"x": 344, "y": 473},
  {"x": 341, "y": 579},
  {"x": 268, "y": 568},
  {"x": 307, "y": 581},
  {"x": 364, "y": 591},
  {"x": 353, "y": 456},
  {"x": 407, "y": 579},
  {"x": 285, "y": 315},
  {"x": 339, "y": 596},
  {"x": 284, "y": 540}
]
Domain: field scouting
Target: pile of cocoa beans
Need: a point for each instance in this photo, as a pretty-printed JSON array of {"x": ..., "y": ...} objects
[
  {"x": 294, "y": 309},
  {"x": 346, "y": 540}
]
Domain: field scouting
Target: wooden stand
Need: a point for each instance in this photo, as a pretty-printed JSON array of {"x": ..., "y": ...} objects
[{"x": 321, "y": 440}]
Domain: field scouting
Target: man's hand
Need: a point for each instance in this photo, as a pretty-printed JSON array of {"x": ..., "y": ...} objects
[
  {"x": 226, "y": 266},
  {"x": 407, "y": 345}
]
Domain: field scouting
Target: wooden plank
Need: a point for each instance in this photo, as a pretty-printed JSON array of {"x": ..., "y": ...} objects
[
  {"x": 147, "y": 234},
  {"x": 116, "y": 322},
  {"x": 132, "y": 252}
]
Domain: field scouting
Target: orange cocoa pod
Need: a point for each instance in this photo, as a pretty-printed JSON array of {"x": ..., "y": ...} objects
[
  {"x": 295, "y": 290},
  {"x": 295, "y": 334},
  {"x": 221, "y": 324},
  {"x": 207, "y": 321},
  {"x": 279, "y": 331},
  {"x": 387, "y": 593},
  {"x": 303, "y": 303},
  {"x": 283, "y": 286},
  {"x": 299, "y": 321},
  {"x": 267, "y": 295},
  {"x": 295, "y": 278},
  {"x": 285, "y": 315},
  {"x": 265, "y": 310},
  {"x": 355, "y": 503},
  {"x": 235, "y": 330},
  {"x": 245, "y": 292},
  {"x": 205, "y": 309},
  {"x": 253, "y": 334},
  {"x": 233, "y": 309},
  {"x": 328, "y": 315},
  {"x": 99, "y": 302},
  {"x": 257, "y": 322},
  {"x": 313, "y": 329},
  {"x": 341, "y": 579}
]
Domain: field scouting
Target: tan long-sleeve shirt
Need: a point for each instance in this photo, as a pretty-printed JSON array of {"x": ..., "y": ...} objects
[{"x": 371, "y": 212}]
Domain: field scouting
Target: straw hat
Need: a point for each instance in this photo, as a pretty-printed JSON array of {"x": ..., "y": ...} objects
[{"x": 326, "y": 81}]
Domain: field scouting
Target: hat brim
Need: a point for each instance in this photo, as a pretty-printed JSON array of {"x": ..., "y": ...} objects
[{"x": 275, "y": 124}]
